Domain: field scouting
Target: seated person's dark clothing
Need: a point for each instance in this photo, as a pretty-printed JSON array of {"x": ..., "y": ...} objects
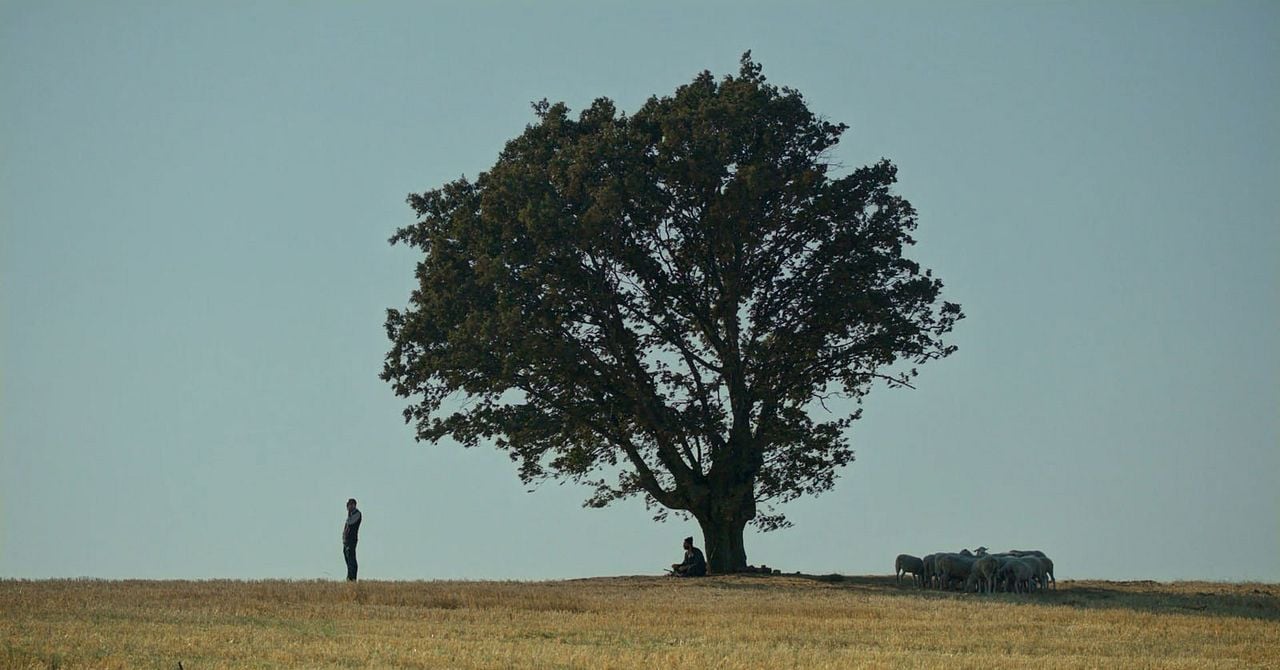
[{"x": 694, "y": 564}]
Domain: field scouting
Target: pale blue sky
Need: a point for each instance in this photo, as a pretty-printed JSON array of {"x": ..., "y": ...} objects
[{"x": 195, "y": 200}]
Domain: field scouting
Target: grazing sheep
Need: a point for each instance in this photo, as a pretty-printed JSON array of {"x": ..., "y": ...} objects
[
  {"x": 983, "y": 575},
  {"x": 930, "y": 569},
  {"x": 953, "y": 566},
  {"x": 1039, "y": 575},
  {"x": 1048, "y": 565},
  {"x": 972, "y": 583},
  {"x": 1015, "y": 571},
  {"x": 1016, "y": 575},
  {"x": 1043, "y": 559},
  {"x": 908, "y": 564}
]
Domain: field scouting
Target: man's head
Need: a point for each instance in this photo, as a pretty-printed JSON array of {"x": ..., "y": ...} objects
[
  {"x": 351, "y": 504},
  {"x": 688, "y": 543}
]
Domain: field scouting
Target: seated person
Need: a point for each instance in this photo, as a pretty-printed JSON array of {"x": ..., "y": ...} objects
[{"x": 694, "y": 564}]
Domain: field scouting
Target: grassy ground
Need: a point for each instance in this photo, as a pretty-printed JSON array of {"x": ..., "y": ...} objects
[{"x": 634, "y": 622}]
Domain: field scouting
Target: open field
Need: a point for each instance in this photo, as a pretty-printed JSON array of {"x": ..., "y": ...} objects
[{"x": 633, "y": 622}]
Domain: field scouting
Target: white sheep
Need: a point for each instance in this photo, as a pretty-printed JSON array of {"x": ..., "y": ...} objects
[
  {"x": 908, "y": 564},
  {"x": 1017, "y": 574},
  {"x": 930, "y": 569},
  {"x": 1048, "y": 563},
  {"x": 1040, "y": 577},
  {"x": 1048, "y": 568},
  {"x": 953, "y": 566},
  {"x": 983, "y": 575}
]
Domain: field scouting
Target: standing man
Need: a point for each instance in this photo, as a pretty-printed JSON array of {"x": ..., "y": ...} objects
[{"x": 351, "y": 533}]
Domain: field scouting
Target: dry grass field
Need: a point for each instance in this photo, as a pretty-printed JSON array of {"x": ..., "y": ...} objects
[{"x": 633, "y": 622}]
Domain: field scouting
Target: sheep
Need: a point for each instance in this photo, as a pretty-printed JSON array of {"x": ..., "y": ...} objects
[
  {"x": 908, "y": 564},
  {"x": 974, "y": 582},
  {"x": 1044, "y": 573},
  {"x": 1039, "y": 575},
  {"x": 930, "y": 569},
  {"x": 983, "y": 575},
  {"x": 1040, "y": 566},
  {"x": 1044, "y": 559},
  {"x": 1048, "y": 566},
  {"x": 1017, "y": 571},
  {"x": 986, "y": 572},
  {"x": 953, "y": 566},
  {"x": 1016, "y": 574}
]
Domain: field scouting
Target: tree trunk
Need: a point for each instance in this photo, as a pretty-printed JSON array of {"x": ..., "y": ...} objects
[{"x": 722, "y": 539}]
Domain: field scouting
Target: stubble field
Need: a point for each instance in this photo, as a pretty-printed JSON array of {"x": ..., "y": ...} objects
[{"x": 633, "y": 622}]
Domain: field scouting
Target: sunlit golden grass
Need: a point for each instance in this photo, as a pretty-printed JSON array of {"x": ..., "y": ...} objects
[{"x": 633, "y": 622}]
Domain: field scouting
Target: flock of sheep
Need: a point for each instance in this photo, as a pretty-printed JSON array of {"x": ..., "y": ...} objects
[{"x": 1011, "y": 571}]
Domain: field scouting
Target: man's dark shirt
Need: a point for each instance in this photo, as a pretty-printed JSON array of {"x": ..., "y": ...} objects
[
  {"x": 351, "y": 531},
  {"x": 694, "y": 563}
]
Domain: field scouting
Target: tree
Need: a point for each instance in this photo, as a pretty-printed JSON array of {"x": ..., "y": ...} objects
[{"x": 659, "y": 304}]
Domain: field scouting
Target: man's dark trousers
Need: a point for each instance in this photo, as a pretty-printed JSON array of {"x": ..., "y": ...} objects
[{"x": 349, "y": 553}]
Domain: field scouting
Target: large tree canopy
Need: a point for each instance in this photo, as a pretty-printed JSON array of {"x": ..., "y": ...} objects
[{"x": 658, "y": 304}]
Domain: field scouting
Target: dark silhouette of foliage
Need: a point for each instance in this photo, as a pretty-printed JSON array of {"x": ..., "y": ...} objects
[{"x": 658, "y": 304}]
